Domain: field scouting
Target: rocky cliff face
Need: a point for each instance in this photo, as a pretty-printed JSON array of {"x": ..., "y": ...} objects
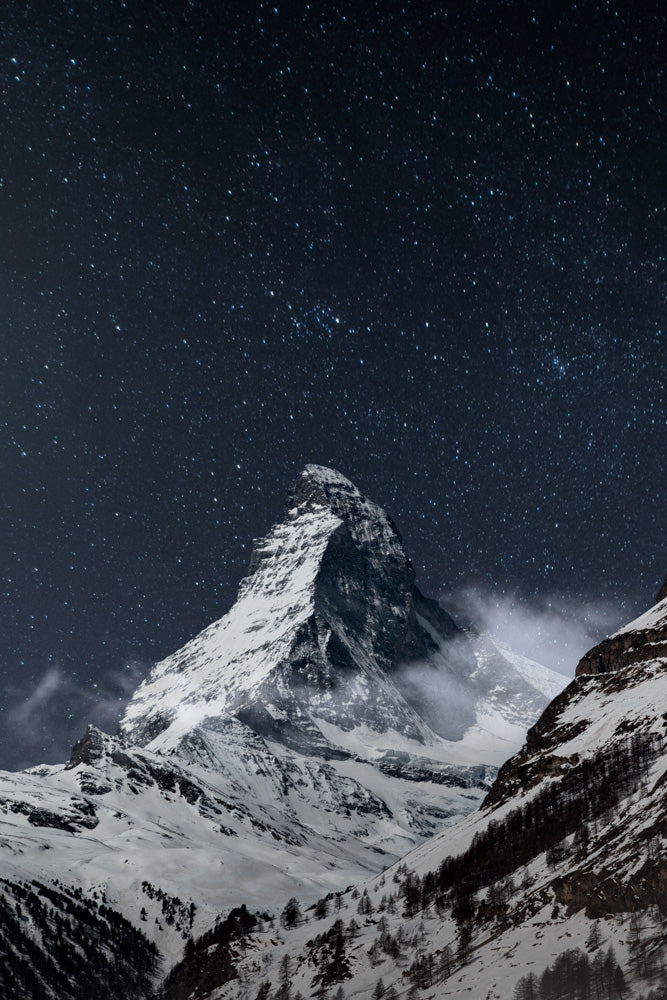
[{"x": 642, "y": 639}]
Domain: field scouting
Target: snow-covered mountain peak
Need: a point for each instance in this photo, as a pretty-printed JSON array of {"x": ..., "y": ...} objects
[
  {"x": 370, "y": 527},
  {"x": 329, "y": 628},
  {"x": 333, "y": 719},
  {"x": 327, "y": 601},
  {"x": 319, "y": 484}
]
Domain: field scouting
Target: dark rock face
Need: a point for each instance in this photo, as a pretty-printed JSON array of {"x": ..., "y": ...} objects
[
  {"x": 366, "y": 594},
  {"x": 365, "y": 581},
  {"x": 296, "y": 732},
  {"x": 601, "y": 894},
  {"x": 621, "y": 651},
  {"x": 88, "y": 750},
  {"x": 629, "y": 646},
  {"x": 78, "y": 815}
]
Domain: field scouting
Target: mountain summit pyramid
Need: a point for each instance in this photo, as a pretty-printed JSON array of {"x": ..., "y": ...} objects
[{"x": 329, "y": 630}]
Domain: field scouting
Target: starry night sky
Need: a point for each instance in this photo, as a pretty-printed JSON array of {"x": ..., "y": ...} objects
[{"x": 424, "y": 245}]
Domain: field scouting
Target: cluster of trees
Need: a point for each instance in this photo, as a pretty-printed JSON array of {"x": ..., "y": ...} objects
[
  {"x": 55, "y": 943},
  {"x": 330, "y": 955},
  {"x": 382, "y": 992},
  {"x": 323, "y": 906},
  {"x": 647, "y": 940},
  {"x": 212, "y": 958},
  {"x": 173, "y": 909},
  {"x": 291, "y": 915},
  {"x": 365, "y": 907},
  {"x": 561, "y": 808},
  {"x": 393, "y": 945},
  {"x": 284, "y": 991},
  {"x": 574, "y": 976}
]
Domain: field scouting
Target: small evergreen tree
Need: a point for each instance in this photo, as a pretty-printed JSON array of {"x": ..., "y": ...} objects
[{"x": 291, "y": 915}]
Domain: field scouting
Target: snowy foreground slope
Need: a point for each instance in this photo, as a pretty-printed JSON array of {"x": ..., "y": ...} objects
[
  {"x": 330, "y": 722},
  {"x": 555, "y": 887}
]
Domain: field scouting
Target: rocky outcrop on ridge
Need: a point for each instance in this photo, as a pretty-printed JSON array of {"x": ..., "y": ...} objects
[{"x": 642, "y": 639}]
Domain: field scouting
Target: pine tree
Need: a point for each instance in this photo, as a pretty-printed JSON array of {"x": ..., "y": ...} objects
[
  {"x": 285, "y": 967},
  {"x": 291, "y": 915},
  {"x": 593, "y": 941},
  {"x": 445, "y": 962}
]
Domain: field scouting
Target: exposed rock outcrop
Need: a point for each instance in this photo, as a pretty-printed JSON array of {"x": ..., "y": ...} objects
[{"x": 643, "y": 639}]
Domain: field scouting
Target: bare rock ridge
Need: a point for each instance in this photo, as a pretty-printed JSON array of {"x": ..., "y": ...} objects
[{"x": 643, "y": 638}]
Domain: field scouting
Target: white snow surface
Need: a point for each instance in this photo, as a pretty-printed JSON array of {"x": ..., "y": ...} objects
[
  {"x": 654, "y": 618},
  {"x": 239, "y": 651},
  {"x": 546, "y": 680}
]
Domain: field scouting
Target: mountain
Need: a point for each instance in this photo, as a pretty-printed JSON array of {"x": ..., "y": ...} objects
[
  {"x": 555, "y": 887},
  {"x": 329, "y": 634},
  {"x": 333, "y": 719}
]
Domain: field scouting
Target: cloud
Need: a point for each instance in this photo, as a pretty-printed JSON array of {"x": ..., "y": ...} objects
[
  {"x": 41, "y": 722},
  {"x": 24, "y": 712},
  {"x": 554, "y": 631}
]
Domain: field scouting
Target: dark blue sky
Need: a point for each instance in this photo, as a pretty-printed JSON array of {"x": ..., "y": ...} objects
[{"x": 426, "y": 248}]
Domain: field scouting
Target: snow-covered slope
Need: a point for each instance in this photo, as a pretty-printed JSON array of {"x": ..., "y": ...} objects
[
  {"x": 563, "y": 868},
  {"x": 330, "y": 722}
]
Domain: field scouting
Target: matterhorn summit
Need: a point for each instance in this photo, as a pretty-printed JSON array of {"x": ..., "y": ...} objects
[
  {"x": 325, "y": 615},
  {"x": 329, "y": 635}
]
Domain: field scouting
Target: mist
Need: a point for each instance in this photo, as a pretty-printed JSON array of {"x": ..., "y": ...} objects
[
  {"x": 41, "y": 722},
  {"x": 554, "y": 631}
]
